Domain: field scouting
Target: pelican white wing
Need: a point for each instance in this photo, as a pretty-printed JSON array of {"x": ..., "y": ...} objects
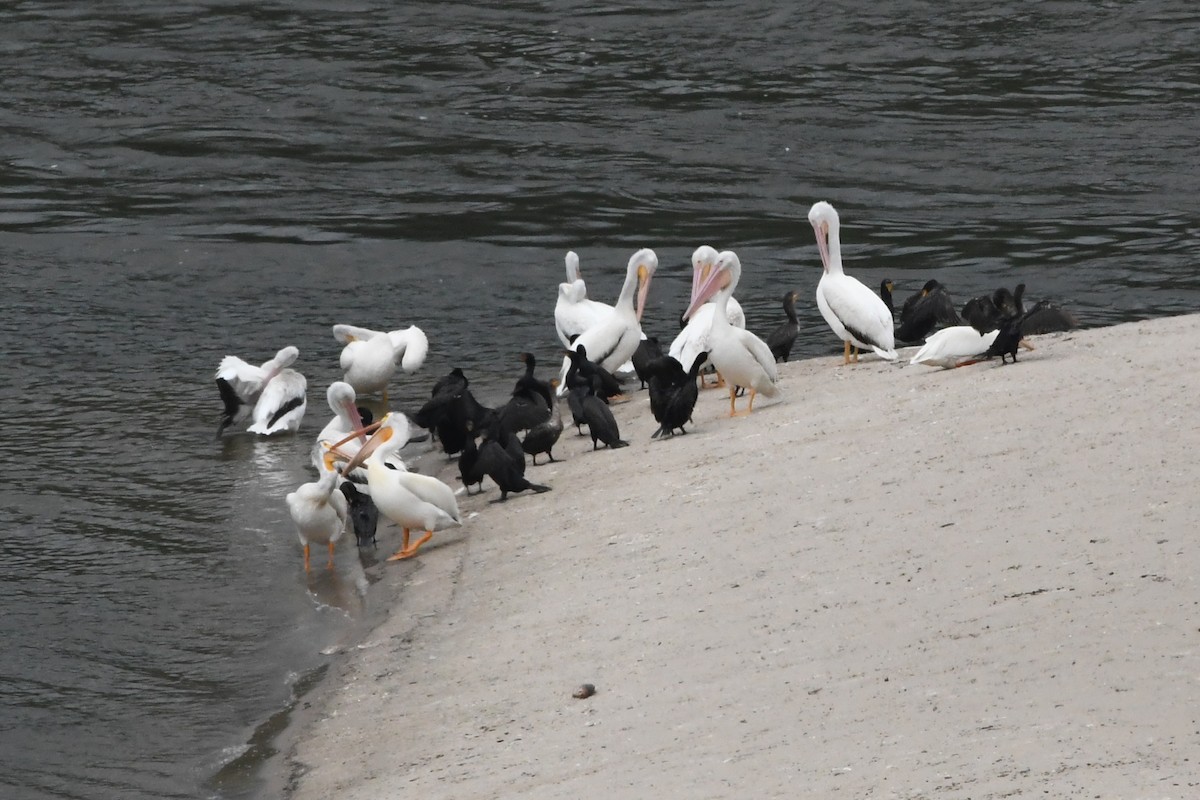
[
  {"x": 574, "y": 313},
  {"x": 953, "y": 346},
  {"x": 280, "y": 407}
]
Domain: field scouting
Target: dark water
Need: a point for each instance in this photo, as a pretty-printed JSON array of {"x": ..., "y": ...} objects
[{"x": 181, "y": 181}]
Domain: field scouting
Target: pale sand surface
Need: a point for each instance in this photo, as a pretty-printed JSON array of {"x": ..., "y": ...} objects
[{"x": 890, "y": 582}]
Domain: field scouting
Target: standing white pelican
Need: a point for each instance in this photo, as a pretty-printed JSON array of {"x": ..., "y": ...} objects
[
  {"x": 272, "y": 396},
  {"x": 956, "y": 346},
  {"x": 574, "y": 313},
  {"x": 611, "y": 342},
  {"x": 693, "y": 339},
  {"x": 320, "y": 512},
  {"x": 740, "y": 356},
  {"x": 370, "y": 357},
  {"x": 409, "y": 499},
  {"x": 856, "y": 314}
]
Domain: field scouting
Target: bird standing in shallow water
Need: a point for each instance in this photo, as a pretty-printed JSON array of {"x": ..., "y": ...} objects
[
  {"x": 369, "y": 357},
  {"x": 363, "y": 514},
  {"x": 272, "y": 396},
  {"x": 320, "y": 512},
  {"x": 856, "y": 314}
]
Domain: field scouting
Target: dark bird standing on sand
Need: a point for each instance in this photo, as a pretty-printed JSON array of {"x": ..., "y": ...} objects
[
  {"x": 452, "y": 412},
  {"x": 602, "y": 425},
  {"x": 530, "y": 402},
  {"x": 542, "y": 438},
  {"x": 648, "y": 349},
  {"x": 982, "y": 314},
  {"x": 1004, "y": 311},
  {"x": 673, "y": 394},
  {"x": 496, "y": 460},
  {"x": 782, "y": 338},
  {"x": 582, "y": 371},
  {"x": 468, "y": 458},
  {"x": 1002, "y": 305}
]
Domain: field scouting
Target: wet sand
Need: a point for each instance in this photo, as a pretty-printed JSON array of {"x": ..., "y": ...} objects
[{"x": 891, "y": 582}]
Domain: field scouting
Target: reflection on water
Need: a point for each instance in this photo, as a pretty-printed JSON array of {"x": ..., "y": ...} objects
[{"x": 190, "y": 180}]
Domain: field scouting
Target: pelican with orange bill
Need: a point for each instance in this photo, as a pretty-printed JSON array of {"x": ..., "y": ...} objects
[{"x": 409, "y": 499}]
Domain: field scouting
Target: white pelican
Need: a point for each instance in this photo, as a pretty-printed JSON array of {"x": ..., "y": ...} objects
[
  {"x": 611, "y": 343},
  {"x": 320, "y": 512},
  {"x": 574, "y": 313},
  {"x": 857, "y": 315},
  {"x": 370, "y": 357},
  {"x": 956, "y": 346},
  {"x": 409, "y": 499},
  {"x": 740, "y": 356},
  {"x": 272, "y": 396},
  {"x": 693, "y": 339},
  {"x": 346, "y": 420}
]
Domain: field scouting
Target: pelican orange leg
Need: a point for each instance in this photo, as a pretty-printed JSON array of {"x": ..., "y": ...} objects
[
  {"x": 409, "y": 552},
  {"x": 732, "y": 400}
]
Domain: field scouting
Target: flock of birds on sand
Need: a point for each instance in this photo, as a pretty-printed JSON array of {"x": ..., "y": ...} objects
[{"x": 362, "y": 474}]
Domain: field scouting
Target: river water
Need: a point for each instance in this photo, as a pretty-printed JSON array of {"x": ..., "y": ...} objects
[{"x": 181, "y": 181}]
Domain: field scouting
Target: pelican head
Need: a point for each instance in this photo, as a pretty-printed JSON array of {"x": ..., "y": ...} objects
[
  {"x": 391, "y": 435},
  {"x": 824, "y": 219},
  {"x": 342, "y": 402},
  {"x": 723, "y": 277},
  {"x": 644, "y": 262},
  {"x": 703, "y": 259}
]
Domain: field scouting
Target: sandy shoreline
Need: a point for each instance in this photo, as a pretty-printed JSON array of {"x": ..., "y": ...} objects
[{"x": 892, "y": 582}]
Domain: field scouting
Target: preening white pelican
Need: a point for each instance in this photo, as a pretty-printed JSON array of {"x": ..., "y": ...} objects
[
  {"x": 272, "y": 396},
  {"x": 574, "y": 313},
  {"x": 611, "y": 343},
  {"x": 693, "y": 339},
  {"x": 320, "y": 512},
  {"x": 370, "y": 357},
  {"x": 346, "y": 420},
  {"x": 740, "y": 356},
  {"x": 855, "y": 313},
  {"x": 955, "y": 346},
  {"x": 409, "y": 499}
]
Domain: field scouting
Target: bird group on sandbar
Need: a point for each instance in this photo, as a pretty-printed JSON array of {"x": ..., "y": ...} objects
[{"x": 362, "y": 474}]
